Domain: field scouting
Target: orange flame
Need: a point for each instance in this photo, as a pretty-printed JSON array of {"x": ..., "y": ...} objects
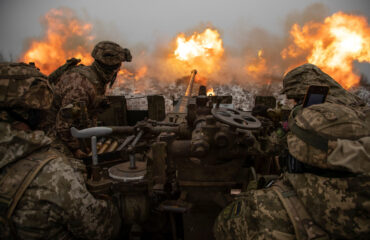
[
  {"x": 333, "y": 45},
  {"x": 65, "y": 37},
  {"x": 125, "y": 75},
  {"x": 210, "y": 92},
  {"x": 258, "y": 65},
  {"x": 141, "y": 72},
  {"x": 201, "y": 51}
]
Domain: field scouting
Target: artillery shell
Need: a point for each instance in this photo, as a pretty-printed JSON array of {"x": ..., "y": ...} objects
[
  {"x": 99, "y": 144},
  {"x": 112, "y": 147},
  {"x": 104, "y": 147}
]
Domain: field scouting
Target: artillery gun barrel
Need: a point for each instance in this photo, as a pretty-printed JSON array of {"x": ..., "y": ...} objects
[
  {"x": 189, "y": 89},
  {"x": 182, "y": 105}
]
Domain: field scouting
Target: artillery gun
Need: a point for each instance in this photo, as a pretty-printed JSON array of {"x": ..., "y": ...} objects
[{"x": 171, "y": 178}]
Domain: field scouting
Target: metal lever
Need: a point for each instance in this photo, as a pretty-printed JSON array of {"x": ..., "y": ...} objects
[
  {"x": 93, "y": 133},
  {"x": 132, "y": 156},
  {"x": 89, "y": 132}
]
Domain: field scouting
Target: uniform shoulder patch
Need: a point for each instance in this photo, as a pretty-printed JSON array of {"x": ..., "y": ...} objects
[{"x": 232, "y": 211}]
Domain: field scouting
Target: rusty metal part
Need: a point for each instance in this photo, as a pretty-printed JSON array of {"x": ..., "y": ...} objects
[
  {"x": 122, "y": 129},
  {"x": 205, "y": 184},
  {"x": 124, "y": 172},
  {"x": 95, "y": 173},
  {"x": 221, "y": 139},
  {"x": 235, "y": 118},
  {"x": 156, "y": 123},
  {"x": 135, "y": 207},
  {"x": 199, "y": 140},
  {"x": 101, "y": 186},
  {"x": 149, "y": 127},
  {"x": 180, "y": 148},
  {"x": 202, "y": 91}
]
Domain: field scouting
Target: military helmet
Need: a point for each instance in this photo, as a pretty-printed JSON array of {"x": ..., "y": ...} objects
[
  {"x": 330, "y": 136},
  {"x": 297, "y": 81},
  {"x": 24, "y": 86},
  {"x": 110, "y": 53}
]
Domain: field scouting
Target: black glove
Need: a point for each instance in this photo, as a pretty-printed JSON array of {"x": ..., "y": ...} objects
[{"x": 127, "y": 53}]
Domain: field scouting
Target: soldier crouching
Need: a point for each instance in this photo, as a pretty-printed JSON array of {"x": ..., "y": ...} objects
[
  {"x": 325, "y": 192},
  {"x": 79, "y": 93},
  {"x": 42, "y": 196}
]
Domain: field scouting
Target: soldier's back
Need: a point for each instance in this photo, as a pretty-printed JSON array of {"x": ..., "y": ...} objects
[{"x": 55, "y": 203}]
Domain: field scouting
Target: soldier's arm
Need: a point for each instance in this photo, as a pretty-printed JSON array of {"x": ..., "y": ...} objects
[
  {"x": 84, "y": 216},
  {"x": 77, "y": 95}
]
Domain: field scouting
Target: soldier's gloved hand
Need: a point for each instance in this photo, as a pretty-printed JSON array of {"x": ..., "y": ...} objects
[
  {"x": 103, "y": 103},
  {"x": 127, "y": 54},
  {"x": 80, "y": 154}
]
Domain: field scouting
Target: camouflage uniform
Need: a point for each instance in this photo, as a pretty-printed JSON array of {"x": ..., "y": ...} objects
[
  {"x": 332, "y": 141},
  {"x": 79, "y": 92},
  {"x": 338, "y": 205},
  {"x": 56, "y": 203}
]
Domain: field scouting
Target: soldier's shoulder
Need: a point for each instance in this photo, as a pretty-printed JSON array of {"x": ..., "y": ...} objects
[
  {"x": 78, "y": 72},
  {"x": 82, "y": 71},
  {"x": 55, "y": 180},
  {"x": 254, "y": 213},
  {"x": 55, "y": 161},
  {"x": 77, "y": 78}
]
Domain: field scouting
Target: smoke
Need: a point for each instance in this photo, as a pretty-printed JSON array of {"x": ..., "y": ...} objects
[
  {"x": 254, "y": 66},
  {"x": 64, "y": 36},
  {"x": 2, "y": 59}
]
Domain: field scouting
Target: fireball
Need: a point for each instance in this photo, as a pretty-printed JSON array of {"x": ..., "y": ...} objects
[
  {"x": 201, "y": 51},
  {"x": 65, "y": 37},
  {"x": 333, "y": 45},
  {"x": 124, "y": 75},
  {"x": 210, "y": 92},
  {"x": 258, "y": 66}
]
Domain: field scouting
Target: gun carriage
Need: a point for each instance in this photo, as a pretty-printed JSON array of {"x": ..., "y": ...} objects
[{"x": 173, "y": 177}]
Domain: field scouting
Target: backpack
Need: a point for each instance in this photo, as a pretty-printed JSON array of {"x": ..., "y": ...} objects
[
  {"x": 55, "y": 76},
  {"x": 330, "y": 136}
]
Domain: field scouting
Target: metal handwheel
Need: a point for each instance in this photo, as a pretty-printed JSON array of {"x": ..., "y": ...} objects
[{"x": 235, "y": 118}]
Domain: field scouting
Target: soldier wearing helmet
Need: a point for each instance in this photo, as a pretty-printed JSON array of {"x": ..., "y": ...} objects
[
  {"x": 42, "y": 192},
  {"x": 79, "y": 92},
  {"x": 324, "y": 193},
  {"x": 297, "y": 81}
]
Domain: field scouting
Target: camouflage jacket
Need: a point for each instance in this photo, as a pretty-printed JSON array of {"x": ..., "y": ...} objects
[
  {"x": 77, "y": 96},
  {"x": 340, "y": 206},
  {"x": 56, "y": 205}
]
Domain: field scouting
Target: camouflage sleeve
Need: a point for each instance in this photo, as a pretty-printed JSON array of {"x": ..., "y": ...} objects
[
  {"x": 88, "y": 217},
  {"x": 254, "y": 215},
  {"x": 75, "y": 91},
  {"x": 73, "y": 206}
]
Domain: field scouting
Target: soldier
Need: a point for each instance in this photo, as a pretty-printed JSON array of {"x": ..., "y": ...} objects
[
  {"x": 325, "y": 192},
  {"x": 42, "y": 195},
  {"x": 297, "y": 81},
  {"x": 79, "y": 92}
]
